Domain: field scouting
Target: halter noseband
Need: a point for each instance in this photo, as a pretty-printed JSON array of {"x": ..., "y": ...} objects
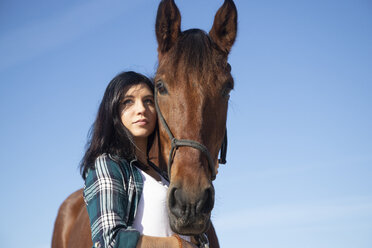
[{"x": 175, "y": 143}]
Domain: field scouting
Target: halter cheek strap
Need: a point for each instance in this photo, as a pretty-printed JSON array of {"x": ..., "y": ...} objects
[{"x": 223, "y": 151}]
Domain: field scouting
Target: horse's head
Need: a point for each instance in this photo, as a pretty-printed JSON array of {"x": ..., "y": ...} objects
[{"x": 193, "y": 82}]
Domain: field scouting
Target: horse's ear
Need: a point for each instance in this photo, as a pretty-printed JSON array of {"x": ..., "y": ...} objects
[
  {"x": 168, "y": 25},
  {"x": 225, "y": 25}
]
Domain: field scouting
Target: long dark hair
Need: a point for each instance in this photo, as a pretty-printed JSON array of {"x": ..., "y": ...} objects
[{"x": 108, "y": 134}]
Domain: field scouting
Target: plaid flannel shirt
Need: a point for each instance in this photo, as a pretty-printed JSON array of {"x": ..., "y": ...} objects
[{"x": 112, "y": 192}]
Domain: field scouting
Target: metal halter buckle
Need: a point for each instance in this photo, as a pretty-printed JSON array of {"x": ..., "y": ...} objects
[{"x": 202, "y": 240}]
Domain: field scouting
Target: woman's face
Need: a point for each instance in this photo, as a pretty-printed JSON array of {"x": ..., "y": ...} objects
[{"x": 138, "y": 112}]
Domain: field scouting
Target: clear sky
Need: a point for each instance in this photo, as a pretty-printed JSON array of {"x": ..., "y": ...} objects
[{"x": 300, "y": 138}]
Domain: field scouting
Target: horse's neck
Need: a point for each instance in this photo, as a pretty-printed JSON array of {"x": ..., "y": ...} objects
[{"x": 155, "y": 153}]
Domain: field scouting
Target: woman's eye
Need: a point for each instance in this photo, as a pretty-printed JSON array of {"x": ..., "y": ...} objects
[
  {"x": 149, "y": 101},
  {"x": 160, "y": 86},
  {"x": 127, "y": 102}
]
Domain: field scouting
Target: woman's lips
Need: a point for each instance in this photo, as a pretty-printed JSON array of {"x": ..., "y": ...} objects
[{"x": 141, "y": 122}]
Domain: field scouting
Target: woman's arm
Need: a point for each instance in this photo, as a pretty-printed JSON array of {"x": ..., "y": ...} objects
[
  {"x": 108, "y": 205},
  {"x": 158, "y": 242}
]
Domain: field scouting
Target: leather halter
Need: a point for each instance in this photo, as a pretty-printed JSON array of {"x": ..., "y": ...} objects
[{"x": 175, "y": 143}]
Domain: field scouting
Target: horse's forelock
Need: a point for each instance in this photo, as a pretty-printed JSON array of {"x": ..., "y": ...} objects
[{"x": 194, "y": 53}]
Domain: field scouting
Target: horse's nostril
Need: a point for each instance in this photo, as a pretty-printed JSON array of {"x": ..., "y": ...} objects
[
  {"x": 205, "y": 205},
  {"x": 176, "y": 204},
  {"x": 172, "y": 199}
]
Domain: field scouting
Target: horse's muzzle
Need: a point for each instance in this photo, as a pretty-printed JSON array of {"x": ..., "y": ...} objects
[{"x": 189, "y": 212}]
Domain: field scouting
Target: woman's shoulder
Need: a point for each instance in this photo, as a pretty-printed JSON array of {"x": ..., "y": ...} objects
[
  {"x": 105, "y": 159},
  {"x": 107, "y": 175},
  {"x": 108, "y": 165}
]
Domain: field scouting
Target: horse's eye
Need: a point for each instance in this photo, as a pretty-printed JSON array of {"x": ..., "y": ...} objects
[
  {"x": 226, "y": 93},
  {"x": 228, "y": 67},
  {"x": 226, "y": 90},
  {"x": 160, "y": 86}
]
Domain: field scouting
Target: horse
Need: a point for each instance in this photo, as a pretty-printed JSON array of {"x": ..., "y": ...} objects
[{"x": 192, "y": 85}]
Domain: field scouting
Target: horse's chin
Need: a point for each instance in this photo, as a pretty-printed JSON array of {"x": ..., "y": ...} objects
[{"x": 189, "y": 226}]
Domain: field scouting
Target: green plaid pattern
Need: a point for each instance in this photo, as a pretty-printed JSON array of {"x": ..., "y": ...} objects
[{"x": 112, "y": 192}]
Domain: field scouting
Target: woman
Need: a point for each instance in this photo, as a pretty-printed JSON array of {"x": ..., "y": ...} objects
[{"x": 118, "y": 175}]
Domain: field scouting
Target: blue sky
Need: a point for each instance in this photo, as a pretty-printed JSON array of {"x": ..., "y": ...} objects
[{"x": 300, "y": 138}]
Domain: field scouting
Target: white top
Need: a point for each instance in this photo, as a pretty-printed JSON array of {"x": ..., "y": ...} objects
[{"x": 152, "y": 215}]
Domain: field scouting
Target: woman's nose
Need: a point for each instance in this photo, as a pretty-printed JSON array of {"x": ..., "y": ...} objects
[{"x": 140, "y": 107}]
